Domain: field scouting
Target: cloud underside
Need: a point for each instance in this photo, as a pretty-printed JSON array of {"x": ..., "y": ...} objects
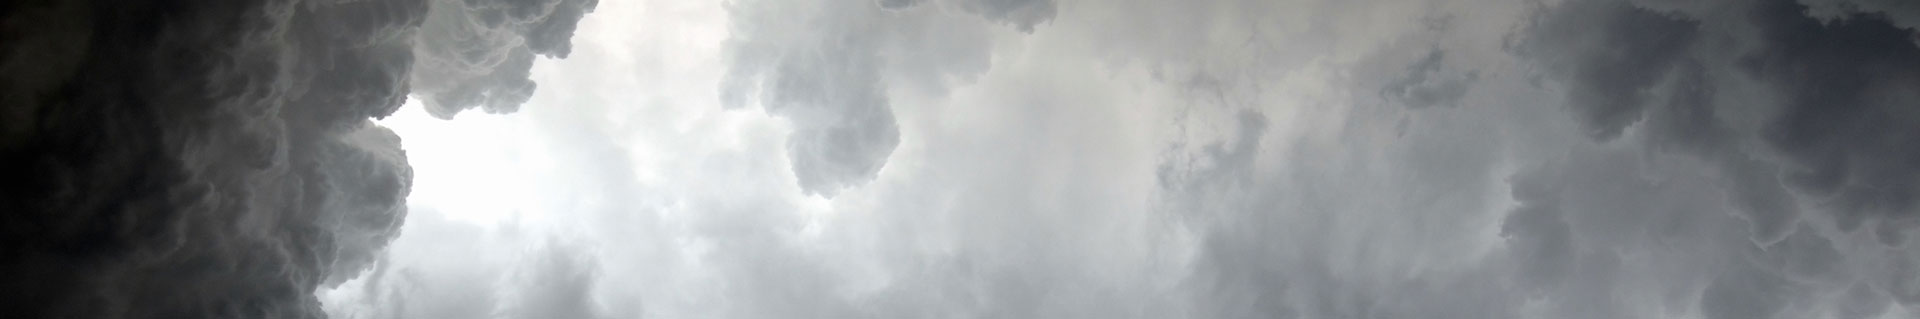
[{"x": 217, "y": 159}]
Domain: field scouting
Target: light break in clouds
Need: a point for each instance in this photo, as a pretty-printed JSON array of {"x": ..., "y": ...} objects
[{"x": 1718, "y": 159}]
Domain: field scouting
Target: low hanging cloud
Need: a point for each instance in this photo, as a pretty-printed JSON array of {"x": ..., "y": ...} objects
[
  {"x": 217, "y": 159},
  {"x": 825, "y": 68}
]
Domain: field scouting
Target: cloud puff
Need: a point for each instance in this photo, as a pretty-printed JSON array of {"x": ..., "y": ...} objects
[
  {"x": 208, "y": 160},
  {"x": 478, "y": 53},
  {"x": 825, "y": 68}
]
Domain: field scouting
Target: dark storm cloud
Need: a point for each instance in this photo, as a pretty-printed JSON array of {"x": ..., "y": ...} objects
[
  {"x": 1803, "y": 117},
  {"x": 1610, "y": 72},
  {"x": 205, "y": 159},
  {"x": 825, "y": 67},
  {"x": 1833, "y": 97}
]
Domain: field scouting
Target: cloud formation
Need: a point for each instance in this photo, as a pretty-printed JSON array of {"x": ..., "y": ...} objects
[{"x": 217, "y": 160}]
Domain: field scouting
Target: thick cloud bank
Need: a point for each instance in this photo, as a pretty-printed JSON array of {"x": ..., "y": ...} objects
[{"x": 215, "y": 159}]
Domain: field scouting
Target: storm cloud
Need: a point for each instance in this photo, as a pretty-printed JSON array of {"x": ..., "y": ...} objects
[
  {"x": 963, "y": 158},
  {"x": 214, "y": 160},
  {"x": 1816, "y": 105}
]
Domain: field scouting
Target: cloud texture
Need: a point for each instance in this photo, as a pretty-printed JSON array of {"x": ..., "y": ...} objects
[
  {"x": 216, "y": 159},
  {"x": 974, "y": 158}
]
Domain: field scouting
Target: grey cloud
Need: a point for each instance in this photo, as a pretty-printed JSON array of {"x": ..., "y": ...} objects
[
  {"x": 1428, "y": 82},
  {"x": 1861, "y": 302},
  {"x": 1659, "y": 197},
  {"x": 1538, "y": 234},
  {"x": 1744, "y": 292},
  {"x": 452, "y": 277},
  {"x": 1608, "y": 74},
  {"x": 1828, "y": 129},
  {"x": 826, "y": 82},
  {"x": 461, "y": 270},
  {"x": 478, "y": 53},
  {"x": 825, "y": 68},
  {"x": 202, "y": 160},
  {"x": 1905, "y": 14},
  {"x": 1021, "y": 14},
  {"x": 1843, "y": 85},
  {"x": 557, "y": 283},
  {"x": 1798, "y": 117},
  {"x": 1268, "y": 248}
]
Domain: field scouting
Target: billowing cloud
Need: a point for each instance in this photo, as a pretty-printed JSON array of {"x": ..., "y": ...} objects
[
  {"x": 1131, "y": 159},
  {"x": 477, "y": 53},
  {"x": 208, "y": 160}
]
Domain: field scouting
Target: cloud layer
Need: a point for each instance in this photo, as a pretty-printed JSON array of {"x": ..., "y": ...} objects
[{"x": 973, "y": 158}]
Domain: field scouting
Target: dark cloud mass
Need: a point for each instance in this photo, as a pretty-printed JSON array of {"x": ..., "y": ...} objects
[
  {"x": 1824, "y": 107},
  {"x": 215, "y": 159},
  {"x": 1805, "y": 122}
]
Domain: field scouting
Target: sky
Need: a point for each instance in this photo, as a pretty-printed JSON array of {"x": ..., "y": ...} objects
[{"x": 1718, "y": 159}]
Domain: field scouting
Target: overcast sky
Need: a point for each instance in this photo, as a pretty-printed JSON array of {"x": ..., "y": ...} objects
[
  {"x": 1720, "y": 159},
  {"x": 1203, "y": 159}
]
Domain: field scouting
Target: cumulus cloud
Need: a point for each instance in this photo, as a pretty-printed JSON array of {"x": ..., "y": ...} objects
[{"x": 211, "y": 160}]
